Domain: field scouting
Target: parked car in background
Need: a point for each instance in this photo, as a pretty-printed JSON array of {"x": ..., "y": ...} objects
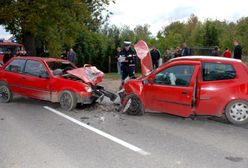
[
  {"x": 189, "y": 86},
  {"x": 51, "y": 79}
]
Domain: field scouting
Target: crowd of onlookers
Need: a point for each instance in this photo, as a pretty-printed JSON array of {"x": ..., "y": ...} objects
[{"x": 185, "y": 51}]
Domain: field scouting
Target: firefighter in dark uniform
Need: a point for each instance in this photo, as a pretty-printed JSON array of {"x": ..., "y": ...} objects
[{"x": 127, "y": 59}]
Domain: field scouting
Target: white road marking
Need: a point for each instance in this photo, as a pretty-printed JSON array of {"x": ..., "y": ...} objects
[{"x": 99, "y": 132}]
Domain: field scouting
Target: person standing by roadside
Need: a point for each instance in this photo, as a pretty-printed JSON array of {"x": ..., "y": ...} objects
[
  {"x": 227, "y": 53},
  {"x": 177, "y": 52},
  {"x": 72, "y": 56},
  {"x": 215, "y": 52},
  {"x": 237, "y": 53},
  {"x": 185, "y": 50},
  {"x": 155, "y": 54},
  {"x": 7, "y": 56},
  {"x": 127, "y": 59}
]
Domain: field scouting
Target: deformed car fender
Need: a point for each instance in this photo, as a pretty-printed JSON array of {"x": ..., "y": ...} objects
[{"x": 134, "y": 87}]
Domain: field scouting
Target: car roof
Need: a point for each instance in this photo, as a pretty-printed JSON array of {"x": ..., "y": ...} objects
[
  {"x": 205, "y": 58},
  {"x": 43, "y": 59}
]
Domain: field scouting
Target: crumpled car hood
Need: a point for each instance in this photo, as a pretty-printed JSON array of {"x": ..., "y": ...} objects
[
  {"x": 144, "y": 55},
  {"x": 89, "y": 74}
]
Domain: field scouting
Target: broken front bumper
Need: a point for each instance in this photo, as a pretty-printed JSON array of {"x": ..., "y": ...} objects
[
  {"x": 97, "y": 95},
  {"x": 100, "y": 92}
]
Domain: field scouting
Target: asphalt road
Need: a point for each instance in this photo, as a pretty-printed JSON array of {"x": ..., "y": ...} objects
[{"x": 34, "y": 137}]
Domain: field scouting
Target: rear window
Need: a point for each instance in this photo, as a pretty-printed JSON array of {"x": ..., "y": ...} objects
[{"x": 218, "y": 71}]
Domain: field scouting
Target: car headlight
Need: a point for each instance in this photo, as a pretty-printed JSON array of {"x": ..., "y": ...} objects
[{"x": 88, "y": 89}]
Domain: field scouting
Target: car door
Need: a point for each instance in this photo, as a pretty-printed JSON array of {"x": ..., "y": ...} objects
[
  {"x": 13, "y": 74},
  {"x": 172, "y": 89},
  {"x": 36, "y": 80},
  {"x": 217, "y": 87}
]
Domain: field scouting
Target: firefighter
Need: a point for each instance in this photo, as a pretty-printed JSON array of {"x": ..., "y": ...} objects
[{"x": 127, "y": 59}]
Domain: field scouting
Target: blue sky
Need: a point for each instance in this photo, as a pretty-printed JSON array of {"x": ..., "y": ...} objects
[{"x": 159, "y": 13}]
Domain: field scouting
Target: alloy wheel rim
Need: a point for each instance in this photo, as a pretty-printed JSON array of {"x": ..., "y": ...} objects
[{"x": 239, "y": 112}]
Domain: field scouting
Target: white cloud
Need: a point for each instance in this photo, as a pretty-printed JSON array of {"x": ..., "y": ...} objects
[
  {"x": 4, "y": 34},
  {"x": 159, "y": 13}
]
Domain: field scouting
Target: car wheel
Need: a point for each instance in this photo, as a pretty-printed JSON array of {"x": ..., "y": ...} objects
[
  {"x": 5, "y": 93},
  {"x": 133, "y": 105},
  {"x": 237, "y": 112},
  {"x": 68, "y": 100}
]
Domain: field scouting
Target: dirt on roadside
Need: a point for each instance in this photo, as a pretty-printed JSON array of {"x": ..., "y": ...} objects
[{"x": 111, "y": 85}]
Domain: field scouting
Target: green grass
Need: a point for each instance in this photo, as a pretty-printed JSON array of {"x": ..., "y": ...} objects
[
  {"x": 113, "y": 76},
  {"x": 116, "y": 76}
]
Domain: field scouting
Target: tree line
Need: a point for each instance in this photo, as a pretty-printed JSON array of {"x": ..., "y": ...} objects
[{"x": 53, "y": 26}]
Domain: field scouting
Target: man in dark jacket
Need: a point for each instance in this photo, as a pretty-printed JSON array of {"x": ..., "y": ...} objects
[
  {"x": 185, "y": 50},
  {"x": 72, "y": 56},
  {"x": 7, "y": 56},
  {"x": 237, "y": 53},
  {"x": 155, "y": 54},
  {"x": 215, "y": 52},
  {"x": 127, "y": 59}
]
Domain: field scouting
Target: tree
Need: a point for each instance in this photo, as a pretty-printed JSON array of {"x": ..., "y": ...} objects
[
  {"x": 55, "y": 22},
  {"x": 242, "y": 33},
  {"x": 211, "y": 35},
  {"x": 142, "y": 33}
]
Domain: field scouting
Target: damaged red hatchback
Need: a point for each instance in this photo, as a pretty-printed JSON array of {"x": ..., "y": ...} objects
[
  {"x": 50, "y": 79},
  {"x": 189, "y": 86}
]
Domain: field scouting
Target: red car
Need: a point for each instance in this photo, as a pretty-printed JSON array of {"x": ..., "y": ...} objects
[
  {"x": 50, "y": 79},
  {"x": 189, "y": 86}
]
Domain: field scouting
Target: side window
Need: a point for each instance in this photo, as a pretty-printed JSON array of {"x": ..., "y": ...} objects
[
  {"x": 179, "y": 75},
  {"x": 16, "y": 65},
  {"x": 217, "y": 71},
  {"x": 34, "y": 68}
]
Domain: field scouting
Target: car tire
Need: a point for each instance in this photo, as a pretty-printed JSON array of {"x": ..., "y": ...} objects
[
  {"x": 5, "y": 93},
  {"x": 236, "y": 112},
  {"x": 133, "y": 106},
  {"x": 68, "y": 100}
]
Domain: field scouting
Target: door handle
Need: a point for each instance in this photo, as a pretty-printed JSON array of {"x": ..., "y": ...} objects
[
  {"x": 23, "y": 77},
  {"x": 185, "y": 92}
]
